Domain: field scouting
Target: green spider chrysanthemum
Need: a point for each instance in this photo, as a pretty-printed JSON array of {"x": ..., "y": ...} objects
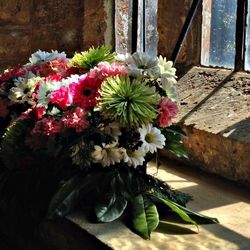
[
  {"x": 132, "y": 103},
  {"x": 90, "y": 58}
]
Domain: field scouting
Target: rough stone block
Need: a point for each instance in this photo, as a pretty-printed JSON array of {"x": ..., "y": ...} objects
[{"x": 15, "y": 11}]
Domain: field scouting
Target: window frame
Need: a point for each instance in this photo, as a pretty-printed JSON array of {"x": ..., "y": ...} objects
[{"x": 240, "y": 37}]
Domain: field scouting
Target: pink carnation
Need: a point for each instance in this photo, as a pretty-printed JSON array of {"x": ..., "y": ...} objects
[
  {"x": 61, "y": 97},
  {"x": 85, "y": 91},
  {"x": 59, "y": 65},
  {"x": 76, "y": 119},
  {"x": 105, "y": 69},
  {"x": 4, "y": 111},
  {"x": 15, "y": 72},
  {"x": 35, "y": 113},
  {"x": 168, "y": 110},
  {"x": 47, "y": 127}
]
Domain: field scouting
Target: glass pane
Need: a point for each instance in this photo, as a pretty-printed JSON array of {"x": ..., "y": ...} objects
[
  {"x": 218, "y": 33},
  {"x": 247, "y": 55}
]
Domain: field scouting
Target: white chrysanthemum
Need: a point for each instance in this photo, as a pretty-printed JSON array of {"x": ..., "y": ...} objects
[
  {"x": 43, "y": 56},
  {"x": 151, "y": 138},
  {"x": 134, "y": 158},
  {"x": 107, "y": 155},
  {"x": 141, "y": 63},
  {"x": 168, "y": 85},
  {"x": 168, "y": 77},
  {"x": 166, "y": 67},
  {"x": 113, "y": 129},
  {"x": 24, "y": 88}
]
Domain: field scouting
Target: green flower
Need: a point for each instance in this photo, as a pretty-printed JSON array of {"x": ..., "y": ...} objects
[
  {"x": 90, "y": 58},
  {"x": 132, "y": 103}
]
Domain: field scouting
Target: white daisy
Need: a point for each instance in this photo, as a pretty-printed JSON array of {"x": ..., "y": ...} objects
[
  {"x": 113, "y": 129},
  {"x": 107, "y": 155},
  {"x": 151, "y": 138},
  {"x": 134, "y": 158},
  {"x": 24, "y": 88}
]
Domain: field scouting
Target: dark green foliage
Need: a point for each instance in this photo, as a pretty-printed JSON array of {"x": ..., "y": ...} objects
[{"x": 174, "y": 140}]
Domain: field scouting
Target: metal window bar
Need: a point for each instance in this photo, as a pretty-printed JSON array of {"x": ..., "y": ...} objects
[
  {"x": 134, "y": 25},
  {"x": 240, "y": 35},
  {"x": 184, "y": 30}
]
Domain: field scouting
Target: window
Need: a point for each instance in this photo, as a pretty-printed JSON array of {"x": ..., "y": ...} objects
[
  {"x": 136, "y": 26},
  {"x": 225, "y": 34}
]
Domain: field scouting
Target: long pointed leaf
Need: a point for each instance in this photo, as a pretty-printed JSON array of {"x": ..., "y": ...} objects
[
  {"x": 145, "y": 216},
  {"x": 177, "y": 209}
]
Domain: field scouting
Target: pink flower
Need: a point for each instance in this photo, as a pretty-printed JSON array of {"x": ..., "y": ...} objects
[
  {"x": 168, "y": 110},
  {"x": 15, "y": 72},
  {"x": 54, "y": 77},
  {"x": 104, "y": 70},
  {"x": 35, "y": 113},
  {"x": 47, "y": 127},
  {"x": 61, "y": 97},
  {"x": 76, "y": 119},
  {"x": 59, "y": 65},
  {"x": 85, "y": 91}
]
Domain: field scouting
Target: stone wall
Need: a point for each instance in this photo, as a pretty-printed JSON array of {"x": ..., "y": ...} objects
[
  {"x": 70, "y": 25},
  {"x": 65, "y": 25}
]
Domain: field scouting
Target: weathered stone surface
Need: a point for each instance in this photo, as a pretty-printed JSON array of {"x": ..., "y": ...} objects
[
  {"x": 14, "y": 11},
  {"x": 69, "y": 26},
  {"x": 14, "y": 37},
  {"x": 215, "y": 112},
  {"x": 123, "y": 28}
]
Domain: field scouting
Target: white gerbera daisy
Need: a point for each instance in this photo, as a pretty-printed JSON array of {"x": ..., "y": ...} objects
[
  {"x": 24, "y": 88},
  {"x": 107, "y": 155},
  {"x": 151, "y": 138},
  {"x": 134, "y": 158}
]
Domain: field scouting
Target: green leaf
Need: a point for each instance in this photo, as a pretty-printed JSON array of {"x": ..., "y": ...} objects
[
  {"x": 177, "y": 209},
  {"x": 111, "y": 208},
  {"x": 178, "y": 149},
  {"x": 197, "y": 217},
  {"x": 65, "y": 198},
  {"x": 145, "y": 216}
]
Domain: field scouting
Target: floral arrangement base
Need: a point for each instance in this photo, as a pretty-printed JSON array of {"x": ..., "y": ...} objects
[{"x": 80, "y": 131}]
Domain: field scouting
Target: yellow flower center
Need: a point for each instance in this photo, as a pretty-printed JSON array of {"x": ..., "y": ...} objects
[{"x": 149, "y": 138}]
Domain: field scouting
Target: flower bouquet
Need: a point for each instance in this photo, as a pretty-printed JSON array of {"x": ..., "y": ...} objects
[{"x": 80, "y": 131}]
